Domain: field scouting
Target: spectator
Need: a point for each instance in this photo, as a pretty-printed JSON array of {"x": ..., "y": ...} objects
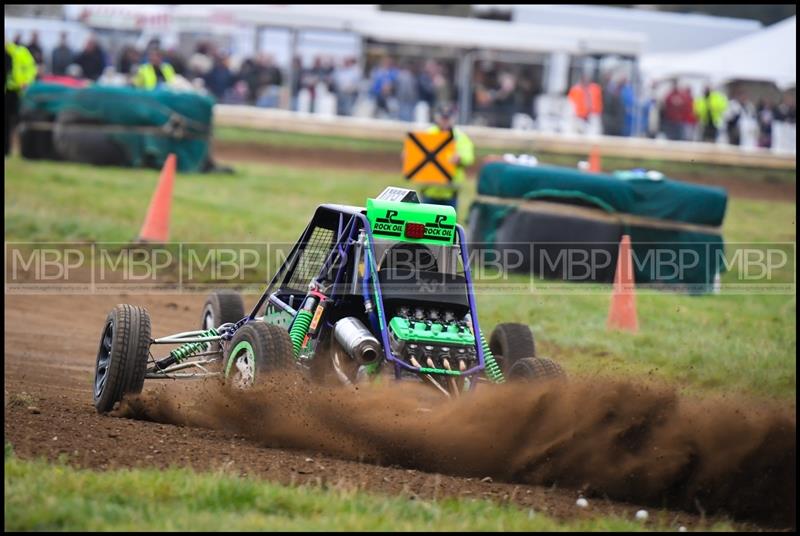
[
  {"x": 786, "y": 111},
  {"x": 613, "y": 114},
  {"x": 154, "y": 73},
  {"x": 710, "y": 109},
  {"x": 503, "y": 101},
  {"x": 153, "y": 44},
  {"x": 320, "y": 72},
  {"x": 200, "y": 63},
  {"x": 91, "y": 60},
  {"x": 382, "y": 87},
  {"x": 249, "y": 75},
  {"x": 587, "y": 101},
  {"x": 734, "y": 118},
  {"x": 407, "y": 93},
  {"x": 295, "y": 82},
  {"x": 36, "y": 50},
  {"x": 441, "y": 86},
  {"x": 128, "y": 59},
  {"x": 219, "y": 78},
  {"x": 628, "y": 105},
  {"x": 62, "y": 56},
  {"x": 674, "y": 112},
  {"x": 20, "y": 73},
  {"x": 270, "y": 74},
  {"x": 346, "y": 80},
  {"x": 765, "y": 113},
  {"x": 269, "y": 80},
  {"x": 649, "y": 111},
  {"x": 689, "y": 117},
  {"x": 784, "y": 124},
  {"x": 425, "y": 88},
  {"x": 174, "y": 58},
  {"x": 481, "y": 98}
]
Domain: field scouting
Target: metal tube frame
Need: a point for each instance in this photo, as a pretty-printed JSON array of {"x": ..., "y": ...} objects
[{"x": 345, "y": 233}]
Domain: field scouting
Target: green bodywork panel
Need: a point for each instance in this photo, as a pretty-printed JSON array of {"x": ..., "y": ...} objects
[
  {"x": 411, "y": 331},
  {"x": 388, "y": 220},
  {"x": 276, "y": 316}
]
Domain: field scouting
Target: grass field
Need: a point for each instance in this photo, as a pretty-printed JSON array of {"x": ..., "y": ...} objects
[
  {"x": 724, "y": 343},
  {"x": 727, "y": 342},
  {"x": 391, "y": 148},
  {"x": 40, "y": 496}
]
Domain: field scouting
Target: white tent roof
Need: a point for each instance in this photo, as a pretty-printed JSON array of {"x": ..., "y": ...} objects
[
  {"x": 422, "y": 29},
  {"x": 666, "y": 32},
  {"x": 769, "y": 55}
]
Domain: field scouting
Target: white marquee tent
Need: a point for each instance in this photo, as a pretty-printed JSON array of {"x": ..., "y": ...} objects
[{"x": 769, "y": 55}]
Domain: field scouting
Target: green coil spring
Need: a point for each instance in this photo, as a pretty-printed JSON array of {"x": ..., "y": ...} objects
[
  {"x": 299, "y": 329},
  {"x": 190, "y": 348},
  {"x": 492, "y": 368}
]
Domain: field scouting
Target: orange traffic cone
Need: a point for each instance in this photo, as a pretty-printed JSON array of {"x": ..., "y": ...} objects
[
  {"x": 622, "y": 314},
  {"x": 594, "y": 160},
  {"x": 156, "y": 224}
]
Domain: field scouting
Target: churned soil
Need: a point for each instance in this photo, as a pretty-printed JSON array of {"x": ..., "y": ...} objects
[{"x": 621, "y": 445}]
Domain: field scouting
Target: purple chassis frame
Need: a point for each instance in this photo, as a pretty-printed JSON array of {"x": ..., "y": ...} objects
[{"x": 347, "y": 233}]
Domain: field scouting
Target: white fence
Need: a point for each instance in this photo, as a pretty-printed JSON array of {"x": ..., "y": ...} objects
[{"x": 530, "y": 141}]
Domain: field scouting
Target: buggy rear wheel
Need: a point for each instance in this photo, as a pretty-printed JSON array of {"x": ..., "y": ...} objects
[
  {"x": 122, "y": 356},
  {"x": 222, "y": 306},
  {"x": 511, "y": 342},
  {"x": 534, "y": 369},
  {"x": 257, "y": 349}
]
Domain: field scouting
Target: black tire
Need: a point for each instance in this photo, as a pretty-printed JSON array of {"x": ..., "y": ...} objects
[
  {"x": 122, "y": 356},
  {"x": 76, "y": 140},
  {"x": 262, "y": 348},
  {"x": 34, "y": 143},
  {"x": 221, "y": 307},
  {"x": 511, "y": 342},
  {"x": 532, "y": 369}
]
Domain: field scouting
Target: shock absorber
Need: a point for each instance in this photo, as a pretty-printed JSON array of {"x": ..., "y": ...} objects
[
  {"x": 301, "y": 323},
  {"x": 492, "y": 368},
  {"x": 187, "y": 350}
]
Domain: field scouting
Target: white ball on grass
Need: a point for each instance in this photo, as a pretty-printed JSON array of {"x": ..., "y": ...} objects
[
  {"x": 642, "y": 515},
  {"x": 582, "y": 503}
]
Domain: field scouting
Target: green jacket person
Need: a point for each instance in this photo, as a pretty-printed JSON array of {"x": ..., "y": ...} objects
[
  {"x": 153, "y": 73},
  {"x": 20, "y": 73},
  {"x": 709, "y": 110},
  {"x": 465, "y": 156}
]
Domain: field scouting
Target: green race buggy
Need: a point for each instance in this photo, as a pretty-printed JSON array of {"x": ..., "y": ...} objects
[{"x": 364, "y": 292}]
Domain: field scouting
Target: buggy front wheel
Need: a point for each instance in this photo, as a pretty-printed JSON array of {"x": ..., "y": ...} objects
[
  {"x": 122, "y": 356},
  {"x": 256, "y": 349}
]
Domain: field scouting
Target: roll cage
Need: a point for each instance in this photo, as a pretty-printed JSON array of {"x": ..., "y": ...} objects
[{"x": 326, "y": 262}]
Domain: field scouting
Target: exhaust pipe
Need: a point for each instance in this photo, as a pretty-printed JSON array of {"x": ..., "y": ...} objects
[{"x": 357, "y": 340}]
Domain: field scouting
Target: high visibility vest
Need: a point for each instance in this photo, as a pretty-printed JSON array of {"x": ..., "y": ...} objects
[
  {"x": 584, "y": 104},
  {"x": 466, "y": 154},
  {"x": 23, "y": 67},
  {"x": 716, "y": 103},
  {"x": 146, "y": 75}
]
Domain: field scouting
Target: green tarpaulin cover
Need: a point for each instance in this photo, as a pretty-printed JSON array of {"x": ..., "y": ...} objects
[
  {"x": 669, "y": 202},
  {"x": 151, "y": 124},
  {"x": 663, "y": 199}
]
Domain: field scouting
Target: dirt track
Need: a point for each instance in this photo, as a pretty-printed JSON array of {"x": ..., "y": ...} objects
[
  {"x": 229, "y": 153},
  {"x": 50, "y": 347}
]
